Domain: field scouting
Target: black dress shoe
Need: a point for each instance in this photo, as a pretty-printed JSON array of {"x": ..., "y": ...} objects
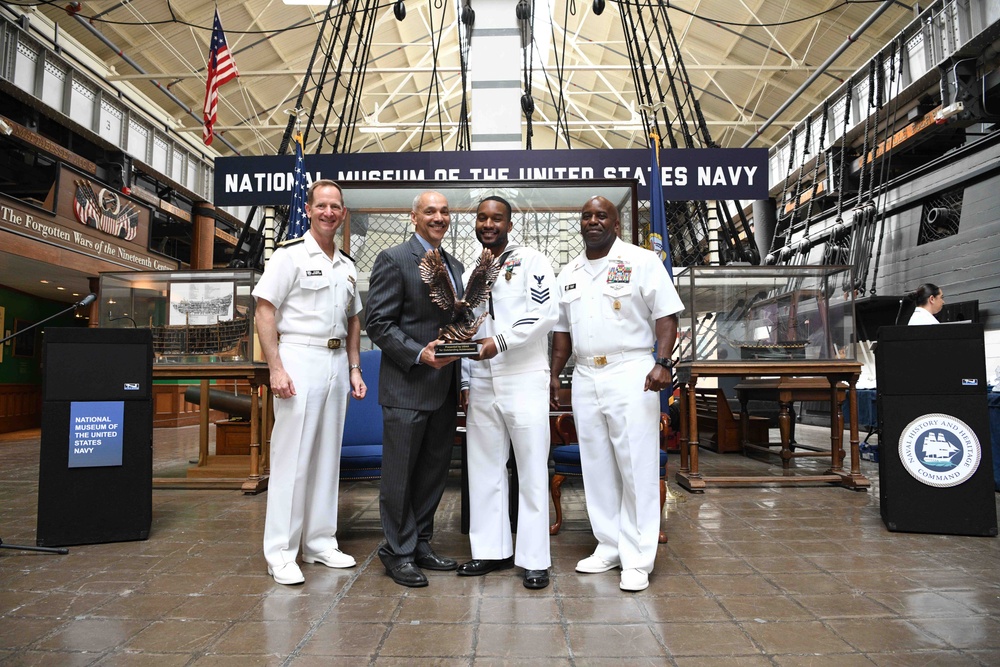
[
  {"x": 536, "y": 579},
  {"x": 477, "y": 567},
  {"x": 431, "y": 561},
  {"x": 407, "y": 574}
]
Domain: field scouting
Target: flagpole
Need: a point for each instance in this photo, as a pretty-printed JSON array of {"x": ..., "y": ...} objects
[{"x": 297, "y": 220}]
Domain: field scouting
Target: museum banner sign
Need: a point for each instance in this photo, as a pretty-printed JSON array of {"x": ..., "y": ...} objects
[
  {"x": 687, "y": 174},
  {"x": 88, "y": 217}
]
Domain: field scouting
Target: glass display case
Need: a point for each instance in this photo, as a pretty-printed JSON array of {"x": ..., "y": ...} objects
[
  {"x": 766, "y": 313},
  {"x": 196, "y": 317}
]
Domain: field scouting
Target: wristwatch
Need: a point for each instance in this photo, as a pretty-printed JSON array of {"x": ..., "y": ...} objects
[
  {"x": 666, "y": 362},
  {"x": 353, "y": 366}
]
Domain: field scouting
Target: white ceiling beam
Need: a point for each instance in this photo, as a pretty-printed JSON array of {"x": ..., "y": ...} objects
[{"x": 449, "y": 69}]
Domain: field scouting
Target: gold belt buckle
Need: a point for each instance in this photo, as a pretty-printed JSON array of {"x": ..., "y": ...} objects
[
  {"x": 333, "y": 343},
  {"x": 600, "y": 361}
]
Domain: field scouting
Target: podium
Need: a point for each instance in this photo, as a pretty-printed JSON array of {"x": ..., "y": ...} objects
[
  {"x": 95, "y": 471},
  {"x": 935, "y": 463}
]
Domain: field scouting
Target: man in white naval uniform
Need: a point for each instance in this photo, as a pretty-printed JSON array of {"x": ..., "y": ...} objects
[
  {"x": 309, "y": 297},
  {"x": 504, "y": 393},
  {"x": 616, "y": 301}
]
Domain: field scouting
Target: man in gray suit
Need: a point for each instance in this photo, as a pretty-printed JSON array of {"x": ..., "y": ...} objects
[{"x": 418, "y": 393}]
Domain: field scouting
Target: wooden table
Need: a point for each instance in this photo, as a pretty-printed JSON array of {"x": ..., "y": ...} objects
[
  {"x": 225, "y": 471},
  {"x": 787, "y": 390},
  {"x": 834, "y": 372}
]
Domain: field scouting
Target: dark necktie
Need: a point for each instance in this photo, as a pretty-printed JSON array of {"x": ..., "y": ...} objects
[{"x": 451, "y": 274}]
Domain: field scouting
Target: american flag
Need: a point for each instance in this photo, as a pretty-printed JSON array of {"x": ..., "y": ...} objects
[
  {"x": 221, "y": 69},
  {"x": 117, "y": 219},
  {"x": 298, "y": 219}
]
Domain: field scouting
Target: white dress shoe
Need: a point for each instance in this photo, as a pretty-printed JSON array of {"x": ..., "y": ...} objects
[
  {"x": 634, "y": 580},
  {"x": 288, "y": 574},
  {"x": 330, "y": 558},
  {"x": 593, "y": 564}
]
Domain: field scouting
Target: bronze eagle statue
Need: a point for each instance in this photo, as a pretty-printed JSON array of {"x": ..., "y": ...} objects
[{"x": 464, "y": 321}]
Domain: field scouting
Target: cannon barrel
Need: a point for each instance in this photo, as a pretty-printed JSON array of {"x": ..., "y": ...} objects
[{"x": 233, "y": 404}]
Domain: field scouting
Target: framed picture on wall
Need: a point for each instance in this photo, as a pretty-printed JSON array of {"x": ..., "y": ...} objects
[{"x": 24, "y": 344}]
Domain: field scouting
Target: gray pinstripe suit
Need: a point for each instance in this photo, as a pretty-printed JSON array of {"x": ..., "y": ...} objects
[{"x": 418, "y": 402}]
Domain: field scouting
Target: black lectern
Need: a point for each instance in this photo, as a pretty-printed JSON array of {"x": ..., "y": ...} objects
[
  {"x": 95, "y": 477},
  {"x": 935, "y": 462}
]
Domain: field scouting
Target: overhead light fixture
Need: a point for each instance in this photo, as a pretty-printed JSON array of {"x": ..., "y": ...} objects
[
  {"x": 313, "y": 3},
  {"x": 378, "y": 129}
]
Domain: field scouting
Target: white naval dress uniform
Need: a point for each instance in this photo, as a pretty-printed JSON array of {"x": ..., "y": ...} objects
[
  {"x": 610, "y": 307},
  {"x": 509, "y": 404},
  {"x": 314, "y": 295},
  {"x": 922, "y": 316}
]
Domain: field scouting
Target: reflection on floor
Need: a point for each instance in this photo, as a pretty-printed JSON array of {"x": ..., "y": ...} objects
[{"x": 751, "y": 577}]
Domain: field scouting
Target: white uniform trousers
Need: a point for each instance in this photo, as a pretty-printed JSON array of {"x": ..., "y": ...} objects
[
  {"x": 503, "y": 410},
  {"x": 618, "y": 424},
  {"x": 308, "y": 431}
]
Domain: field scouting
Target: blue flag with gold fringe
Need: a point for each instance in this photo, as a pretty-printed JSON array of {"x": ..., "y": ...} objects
[{"x": 658, "y": 240}]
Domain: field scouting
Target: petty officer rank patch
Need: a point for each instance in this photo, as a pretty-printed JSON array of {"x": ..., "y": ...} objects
[
  {"x": 539, "y": 294},
  {"x": 314, "y": 272},
  {"x": 619, "y": 273}
]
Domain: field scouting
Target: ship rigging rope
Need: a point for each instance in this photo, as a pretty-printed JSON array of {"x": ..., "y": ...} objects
[
  {"x": 528, "y": 60},
  {"x": 895, "y": 86},
  {"x": 774, "y": 255},
  {"x": 805, "y": 245},
  {"x": 835, "y": 245},
  {"x": 463, "y": 140},
  {"x": 866, "y": 214},
  {"x": 562, "y": 120},
  {"x": 860, "y": 214},
  {"x": 739, "y": 250},
  {"x": 435, "y": 84},
  {"x": 787, "y": 252},
  {"x": 253, "y": 256},
  {"x": 323, "y": 77}
]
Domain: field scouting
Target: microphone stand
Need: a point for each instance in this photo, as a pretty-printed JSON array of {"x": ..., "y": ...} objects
[{"x": 86, "y": 301}]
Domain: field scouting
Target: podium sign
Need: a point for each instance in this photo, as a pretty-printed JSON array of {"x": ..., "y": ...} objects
[
  {"x": 95, "y": 438},
  {"x": 935, "y": 463}
]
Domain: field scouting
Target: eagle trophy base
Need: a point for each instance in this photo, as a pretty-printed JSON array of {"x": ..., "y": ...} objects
[{"x": 461, "y": 349}]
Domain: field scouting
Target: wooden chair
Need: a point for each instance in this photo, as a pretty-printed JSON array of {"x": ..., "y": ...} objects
[{"x": 566, "y": 457}]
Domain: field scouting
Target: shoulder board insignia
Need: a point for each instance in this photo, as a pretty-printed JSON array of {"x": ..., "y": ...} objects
[
  {"x": 345, "y": 254},
  {"x": 285, "y": 244}
]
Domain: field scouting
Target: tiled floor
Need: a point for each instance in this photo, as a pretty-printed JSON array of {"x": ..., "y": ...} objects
[{"x": 750, "y": 577}]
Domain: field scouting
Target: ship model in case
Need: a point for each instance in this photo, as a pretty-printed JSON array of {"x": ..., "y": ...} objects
[{"x": 194, "y": 316}]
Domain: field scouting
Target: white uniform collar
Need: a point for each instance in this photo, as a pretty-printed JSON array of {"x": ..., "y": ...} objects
[
  {"x": 509, "y": 250},
  {"x": 613, "y": 253},
  {"x": 312, "y": 247}
]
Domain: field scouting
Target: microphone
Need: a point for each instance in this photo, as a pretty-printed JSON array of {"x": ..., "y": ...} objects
[{"x": 87, "y": 300}]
